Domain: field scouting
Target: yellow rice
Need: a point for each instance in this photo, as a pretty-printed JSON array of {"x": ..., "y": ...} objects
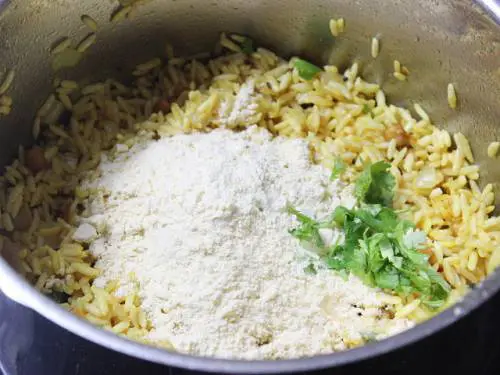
[
  {"x": 451, "y": 95},
  {"x": 493, "y": 148},
  {"x": 375, "y": 47},
  {"x": 436, "y": 182}
]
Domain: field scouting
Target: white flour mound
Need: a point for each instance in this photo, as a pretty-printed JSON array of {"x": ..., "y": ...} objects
[{"x": 201, "y": 220}]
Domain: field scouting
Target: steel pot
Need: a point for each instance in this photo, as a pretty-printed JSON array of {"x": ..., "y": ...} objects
[{"x": 439, "y": 41}]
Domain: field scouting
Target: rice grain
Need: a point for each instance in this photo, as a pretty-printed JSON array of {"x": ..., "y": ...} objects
[
  {"x": 375, "y": 47},
  {"x": 337, "y": 26},
  {"x": 36, "y": 128},
  {"x": 5, "y": 110},
  {"x": 399, "y": 76},
  {"x": 146, "y": 67},
  {"x": 493, "y": 148},
  {"x": 452, "y": 96},
  {"x": 7, "y": 81},
  {"x": 69, "y": 85},
  {"x": 86, "y": 42},
  {"x": 5, "y": 101},
  {"x": 421, "y": 112},
  {"x": 46, "y": 106},
  {"x": 89, "y": 22},
  {"x": 121, "y": 13},
  {"x": 464, "y": 146},
  {"x": 397, "y": 66},
  {"x": 61, "y": 46}
]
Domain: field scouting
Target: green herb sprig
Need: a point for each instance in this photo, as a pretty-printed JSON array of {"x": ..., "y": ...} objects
[{"x": 379, "y": 247}]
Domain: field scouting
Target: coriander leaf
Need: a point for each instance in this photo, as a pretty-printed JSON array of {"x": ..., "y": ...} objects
[
  {"x": 310, "y": 269},
  {"x": 335, "y": 260},
  {"x": 306, "y": 70},
  {"x": 401, "y": 230},
  {"x": 354, "y": 232},
  {"x": 339, "y": 215},
  {"x": 413, "y": 256},
  {"x": 387, "y": 278},
  {"x": 420, "y": 281},
  {"x": 373, "y": 209},
  {"x": 363, "y": 184},
  {"x": 369, "y": 220},
  {"x": 307, "y": 232},
  {"x": 338, "y": 168},
  {"x": 434, "y": 303},
  {"x": 383, "y": 184},
  {"x": 366, "y": 109},
  {"x": 59, "y": 297},
  {"x": 379, "y": 248},
  {"x": 386, "y": 249},
  {"x": 304, "y": 219},
  {"x": 247, "y": 46},
  {"x": 442, "y": 287},
  {"x": 388, "y": 218},
  {"x": 405, "y": 286},
  {"x": 397, "y": 262},
  {"x": 356, "y": 262},
  {"x": 376, "y": 184},
  {"x": 343, "y": 274},
  {"x": 414, "y": 239},
  {"x": 375, "y": 260}
]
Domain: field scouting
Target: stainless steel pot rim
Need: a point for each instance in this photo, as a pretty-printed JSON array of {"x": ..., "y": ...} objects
[
  {"x": 57, "y": 314},
  {"x": 14, "y": 286},
  {"x": 492, "y": 7}
]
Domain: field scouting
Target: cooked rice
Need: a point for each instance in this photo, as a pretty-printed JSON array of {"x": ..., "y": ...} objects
[
  {"x": 89, "y": 22},
  {"x": 86, "y": 42},
  {"x": 121, "y": 13},
  {"x": 66, "y": 101},
  {"x": 420, "y": 111},
  {"x": 5, "y": 110},
  {"x": 436, "y": 182},
  {"x": 375, "y": 47},
  {"x": 399, "y": 76},
  {"x": 337, "y": 26},
  {"x": 61, "y": 46},
  {"x": 452, "y": 96},
  {"x": 146, "y": 67},
  {"x": 69, "y": 85},
  {"x": 397, "y": 66},
  {"x": 7, "y": 81},
  {"x": 126, "y": 9},
  {"x": 341, "y": 25},
  {"x": 400, "y": 72},
  {"x": 5, "y": 101},
  {"x": 493, "y": 148}
]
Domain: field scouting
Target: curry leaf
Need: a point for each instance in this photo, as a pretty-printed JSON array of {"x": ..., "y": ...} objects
[{"x": 306, "y": 70}]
